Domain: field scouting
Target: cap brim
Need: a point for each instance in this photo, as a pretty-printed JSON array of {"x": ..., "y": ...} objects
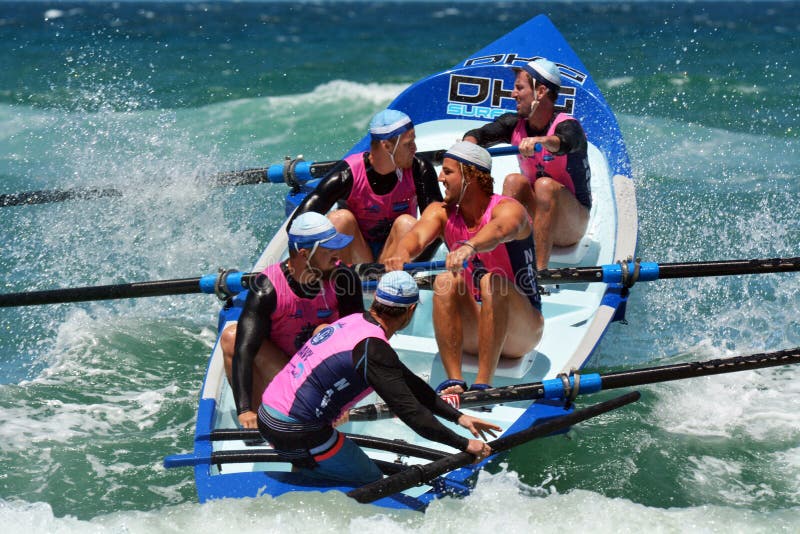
[{"x": 337, "y": 242}]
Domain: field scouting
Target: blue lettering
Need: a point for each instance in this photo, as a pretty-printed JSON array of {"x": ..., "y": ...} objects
[{"x": 478, "y": 112}]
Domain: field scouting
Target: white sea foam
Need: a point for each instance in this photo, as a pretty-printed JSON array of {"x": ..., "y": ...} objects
[{"x": 500, "y": 501}]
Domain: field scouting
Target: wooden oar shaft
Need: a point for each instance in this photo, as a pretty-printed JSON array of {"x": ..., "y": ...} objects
[{"x": 420, "y": 474}]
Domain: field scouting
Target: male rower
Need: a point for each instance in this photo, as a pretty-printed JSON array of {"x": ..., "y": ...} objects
[
  {"x": 378, "y": 190},
  {"x": 340, "y": 365},
  {"x": 283, "y": 308},
  {"x": 554, "y": 183},
  {"x": 492, "y": 306}
]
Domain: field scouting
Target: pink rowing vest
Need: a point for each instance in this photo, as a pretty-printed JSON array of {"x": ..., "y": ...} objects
[
  {"x": 376, "y": 213},
  {"x": 320, "y": 381},
  {"x": 295, "y": 318},
  {"x": 514, "y": 260},
  {"x": 543, "y": 163}
]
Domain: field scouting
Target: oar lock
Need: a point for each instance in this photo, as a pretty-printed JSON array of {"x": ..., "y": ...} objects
[
  {"x": 571, "y": 390},
  {"x": 289, "y": 174},
  {"x": 221, "y": 289},
  {"x": 629, "y": 278}
]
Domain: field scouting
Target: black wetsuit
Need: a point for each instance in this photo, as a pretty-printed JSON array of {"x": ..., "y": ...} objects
[
  {"x": 337, "y": 184},
  {"x": 255, "y": 323},
  {"x": 573, "y": 144},
  {"x": 409, "y": 397},
  {"x": 377, "y": 365}
]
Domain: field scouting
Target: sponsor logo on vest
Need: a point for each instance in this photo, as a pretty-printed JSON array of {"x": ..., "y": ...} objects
[{"x": 322, "y": 335}]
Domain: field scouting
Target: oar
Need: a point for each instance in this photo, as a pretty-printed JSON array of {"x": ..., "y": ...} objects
[
  {"x": 224, "y": 284},
  {"x": 44, "y": 197},
  {"x": 292, "y": 172},
  {"x": 630, "y": 272},
  {"x": 268, "y": 455},
  {"x": 567, "y": 387},
  {"x": 419, "y": 474}
]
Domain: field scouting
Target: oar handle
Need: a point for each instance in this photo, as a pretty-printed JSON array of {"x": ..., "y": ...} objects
[{"x": 419, "y": 474}]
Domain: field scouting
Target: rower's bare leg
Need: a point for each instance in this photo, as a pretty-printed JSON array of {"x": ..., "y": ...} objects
[
  {"x": 509, "y": 325},
  {"x": 455, "y": 323},
  {"x": 401, "y": 226},
  {"x": 227, "y": 342},
  {"x": 519, "y": 187},
  {"x": 357, "y": 251},
  {"x": 559, "y": 219},
  {"x": 268, "y": 361},
  {"x": 492, "y": 326}
]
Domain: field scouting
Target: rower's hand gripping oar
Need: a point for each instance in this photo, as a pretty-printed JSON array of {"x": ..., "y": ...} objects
[
  {"x": 419, "y": 474},
  {"x": 224, "y": 284},
  {"x": 566, "y": 387},
  {"x": 292, "y": 172}
]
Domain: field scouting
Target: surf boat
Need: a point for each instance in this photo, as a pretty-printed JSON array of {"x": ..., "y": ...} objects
[{"x": 230, "y": 462}]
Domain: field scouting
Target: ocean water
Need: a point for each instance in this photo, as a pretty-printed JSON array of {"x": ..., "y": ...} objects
[{"x": 152, "y": 98}]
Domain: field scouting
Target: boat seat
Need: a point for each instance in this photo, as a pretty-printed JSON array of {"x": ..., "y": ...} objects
[
  {"x": 507, "y": 368},
  {"x": 574, "y": 254}
]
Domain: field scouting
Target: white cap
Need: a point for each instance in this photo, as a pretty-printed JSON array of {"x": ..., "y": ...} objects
[
  {"x": 398, "y": 289},
  {"x": 545, "y": 72},
  {"x": 471, "y": 154},
  {"x": 388, "y": 124},
  {"x": 312, "y": 229}
]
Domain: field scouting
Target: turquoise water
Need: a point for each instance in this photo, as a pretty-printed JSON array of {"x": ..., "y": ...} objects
[{"x": 152, "y": 97}]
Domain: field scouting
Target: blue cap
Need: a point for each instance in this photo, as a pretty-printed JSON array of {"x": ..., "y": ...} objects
[
  {"x": 398, "y": 289},
  {"x": 312, "y": 228},
  {"x": 388, "y": 124},
  {"x": 471, "y": 154},
  {"x": 545, "y": 72}
]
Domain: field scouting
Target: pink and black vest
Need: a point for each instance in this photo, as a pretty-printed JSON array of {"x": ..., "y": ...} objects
[
  {"x": 376, "y": 213},
  {"x": 320, "y": 382},
  {"x": 513, "y": 260},
  {"x": 544, "y": 162},
  {"x": 295, "y": 318}
]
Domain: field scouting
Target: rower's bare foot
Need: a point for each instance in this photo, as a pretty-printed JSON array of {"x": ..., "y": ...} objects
[{"x": 451, "y": 386}]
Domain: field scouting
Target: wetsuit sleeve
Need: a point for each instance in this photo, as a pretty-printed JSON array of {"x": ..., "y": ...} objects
[
  {"x": 349, "y": 295},
  {"x": 333, "y": 187},
  {"x": 572, "y": 137},
  {"x": 426, "y": 183},
  {"x": 254, "y": 326},
  {"x": 497, "y": 131},
  {"x": 403, "y": 392}
]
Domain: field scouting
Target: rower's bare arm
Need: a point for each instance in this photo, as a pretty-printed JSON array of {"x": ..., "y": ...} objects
[
  {"x": 429, "y": 226},
  {"x": 509, "y": 222}
]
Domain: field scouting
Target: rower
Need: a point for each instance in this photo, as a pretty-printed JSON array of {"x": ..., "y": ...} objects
[
  {"x": 378, "y": 190},
  {"x": 340, "y": 365}
]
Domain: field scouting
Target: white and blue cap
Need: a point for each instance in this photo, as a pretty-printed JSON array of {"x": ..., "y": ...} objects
[
  {"x": 397, "y": 289},
  {"x": 312, "y": 230},
  {"x": 545, "y": 72},
  {"x": 388, "y": 124},
  {"x": 471, "y": 154}
]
